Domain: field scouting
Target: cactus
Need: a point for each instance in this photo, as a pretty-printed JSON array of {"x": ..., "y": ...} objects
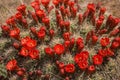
[{"x": 55, "y": 39}]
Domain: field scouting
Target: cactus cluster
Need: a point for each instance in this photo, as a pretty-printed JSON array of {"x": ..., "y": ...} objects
[{"x": 58, "y": 40}]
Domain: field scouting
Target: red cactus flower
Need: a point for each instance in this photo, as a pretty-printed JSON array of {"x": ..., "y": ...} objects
[
  {"x": 91, "y": 8},
  {"x": 71, "y": 3},
  {"x": 94, "y": 39},
  {"x": 102, "y": 52},
  {"x": 67, "y": 12},
  {"x": 91, "y": 69},
  {"x": 115, "y": 22},
  {"x": 58, "y": 20},
  {"x": 22, "y": 9},
  {"x": 42, "y": 28},
  {"x": 62, "y": 9},
  {"x": 102, "y": 11},
  {"x": 98, "y": 24},
  {"x": 41, "y": 35},
  {"x": 88, "y": 36},
  {"x": 5, "y": 28},
  {"x": 83, "y": 65},
  {"x": 45, "y": 3},
  {"x": 69, "y": 68},
  {"x": 114, "y": 32},
  {"x": 46, "y": 21},
  {"x": 40, "y": 14},
  {"x": 56, "y": 2},
  {"x": 104, "y": 41},
  {"x": 21, "y": 72},
  {"x": 79, "y": 41},
  {"x": 61, "y": 65},
  {"x": 61, "y": 24},
  {"x": 59, "y": 49},
  {"x": 101, "y": 18},
  {"x": 97, "y": 59},
  {"x": 80, "y": 58},
  {"x": 18, "y": 16},
  {"x": 85, "y": 54},
  {"x": 115, "y": 45},
  {"x": 80, "y": 46},
  {"x": 8, "y": 21},
  {"x": 31, "y": 44},
  {"x": 66, "y": 36},
  {"x": 49, "y": 51},
  {"x": 35, "y": 5},
  {"x": 33, "y": 30},
  {"x": 62, "y": 71},
  {"x": 16, "y": 45},
  {"x": 73, "y": 12},
  {"x": 109, "y": 52},
  {"x": 24, "y": 23},
  {"x": 67, "y": 25},
  {"x": 102, "y": 31},
  {"x": 11, "y": 65},
  {"x": 11, "y": 21},
  {"x": 117, "y": 39},
  {"x": 67, "y": 44},
  {"x": 112, "y": 22},
  {"x": 109, "y": 20},
  {"x": 24, "y": 52},
  {"x": 25, "y": 40},
  {"x": 72, "y": 42},
  {"x": 34, "y": 54},
  {"x": 52, "y": 33},
  {"x": 15, "y": 33}
]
